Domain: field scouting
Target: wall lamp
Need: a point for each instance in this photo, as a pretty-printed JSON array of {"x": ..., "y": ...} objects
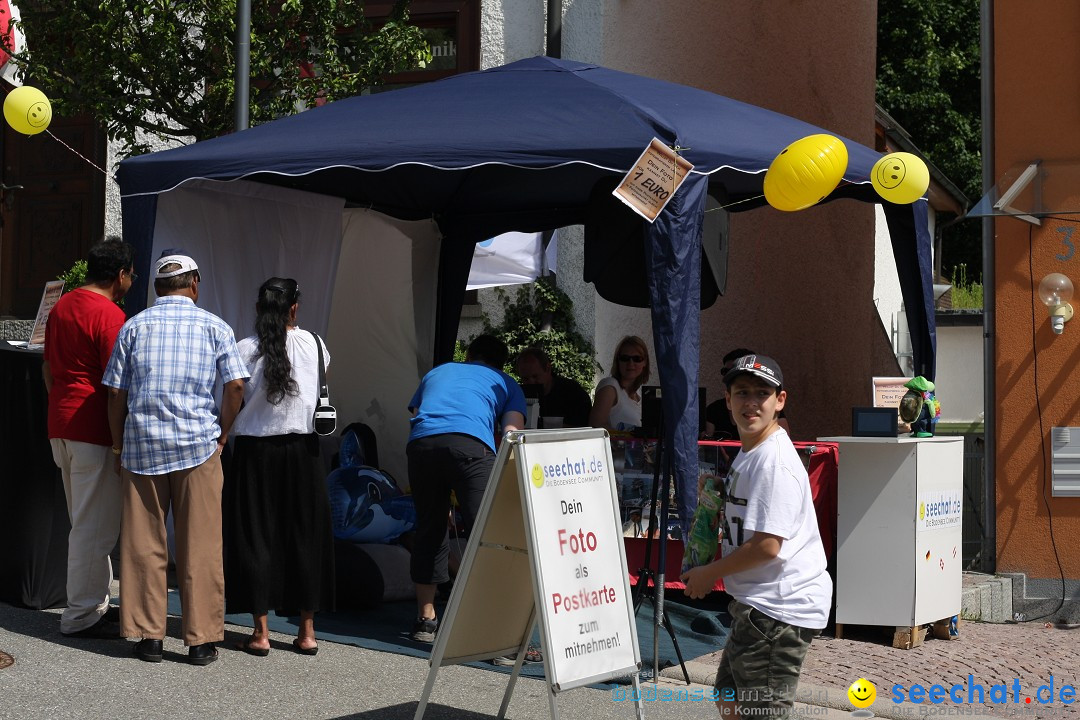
[{"x": 1056, "y": 291}]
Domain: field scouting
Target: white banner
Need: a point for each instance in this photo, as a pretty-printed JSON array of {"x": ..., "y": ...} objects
[{"x": 512, "y": 258}]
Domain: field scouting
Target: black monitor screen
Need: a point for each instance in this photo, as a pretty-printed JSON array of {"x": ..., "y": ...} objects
[{"x": 873, "y": 422}]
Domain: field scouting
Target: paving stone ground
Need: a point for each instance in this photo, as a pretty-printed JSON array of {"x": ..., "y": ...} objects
[{"x": 992, "y": 654}]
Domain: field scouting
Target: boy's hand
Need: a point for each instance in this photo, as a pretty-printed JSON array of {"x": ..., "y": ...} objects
[{"x": 700, "y": 580}]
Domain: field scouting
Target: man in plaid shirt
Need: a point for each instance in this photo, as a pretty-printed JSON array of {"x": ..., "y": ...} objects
[{"x": 168, "y": 436}]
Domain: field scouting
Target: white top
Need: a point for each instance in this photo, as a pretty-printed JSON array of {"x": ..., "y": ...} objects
[
  {"x": 768, "y": 491},
  {"x": 626, "y": 413},
  {"x": 293, "y": 413}
]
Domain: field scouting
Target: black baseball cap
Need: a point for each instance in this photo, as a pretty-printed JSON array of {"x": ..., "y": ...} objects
[{"x": 757, "y": 365}]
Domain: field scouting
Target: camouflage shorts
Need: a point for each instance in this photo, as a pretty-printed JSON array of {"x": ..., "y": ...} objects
[{"x": 759, "y": 669}]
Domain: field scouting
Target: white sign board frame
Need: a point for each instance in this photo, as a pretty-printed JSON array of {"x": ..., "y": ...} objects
[{"x": 516, "y": 564}]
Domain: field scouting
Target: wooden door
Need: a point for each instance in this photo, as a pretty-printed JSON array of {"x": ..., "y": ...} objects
[{"x": 52, "y": 207}]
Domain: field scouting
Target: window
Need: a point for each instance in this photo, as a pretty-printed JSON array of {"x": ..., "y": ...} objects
[{"x": 452, "y": 27}]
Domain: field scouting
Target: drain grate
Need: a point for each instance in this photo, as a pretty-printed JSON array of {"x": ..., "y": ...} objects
[{"x": 6, "y": 660}]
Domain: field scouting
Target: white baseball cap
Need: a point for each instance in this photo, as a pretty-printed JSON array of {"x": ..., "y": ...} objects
[{"x": 186, "y": 265}]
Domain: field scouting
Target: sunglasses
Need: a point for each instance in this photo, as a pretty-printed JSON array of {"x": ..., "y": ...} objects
[{"x": 631, "y": 358}]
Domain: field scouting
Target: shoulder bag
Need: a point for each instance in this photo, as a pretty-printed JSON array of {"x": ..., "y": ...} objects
[{"x": 325, "y": 417}]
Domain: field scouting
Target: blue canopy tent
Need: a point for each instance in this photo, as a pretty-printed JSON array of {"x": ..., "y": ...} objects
[{"x": 525, "y": 147}]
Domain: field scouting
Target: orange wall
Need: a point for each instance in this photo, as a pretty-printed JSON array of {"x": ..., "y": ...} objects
[
  {"x": 800, "y": 285},
  {"x": 1037, "y": 115}
]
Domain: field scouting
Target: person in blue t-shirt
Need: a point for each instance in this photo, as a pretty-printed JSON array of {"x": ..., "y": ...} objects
[{"x": 452, "y": 447}]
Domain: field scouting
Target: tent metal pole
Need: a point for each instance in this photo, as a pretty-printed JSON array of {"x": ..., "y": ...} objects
[{"x": 243, "y": 62}]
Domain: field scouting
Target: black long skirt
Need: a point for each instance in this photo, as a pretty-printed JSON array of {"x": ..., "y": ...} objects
[{"x": 279, "y": 545}]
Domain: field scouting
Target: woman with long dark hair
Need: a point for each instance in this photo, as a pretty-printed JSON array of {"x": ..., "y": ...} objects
[{"x": 279, "y": 542}]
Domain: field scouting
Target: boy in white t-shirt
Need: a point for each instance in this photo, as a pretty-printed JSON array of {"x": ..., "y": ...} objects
[{"x": 773, "y": 563}]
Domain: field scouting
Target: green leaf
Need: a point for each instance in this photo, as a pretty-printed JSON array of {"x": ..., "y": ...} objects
[
  {"x": 523, "y": 325},
  {"x": 163, "y": 69},
  {"x": 928, "y": 79},
  {"x": 74, "y": 277}
]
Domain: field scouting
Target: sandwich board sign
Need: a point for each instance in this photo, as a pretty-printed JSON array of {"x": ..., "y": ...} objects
[{"x": 546, "y": 548}]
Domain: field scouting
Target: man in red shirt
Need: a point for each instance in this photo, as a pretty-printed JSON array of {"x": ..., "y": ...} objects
[{"x": 79, "y": 338}]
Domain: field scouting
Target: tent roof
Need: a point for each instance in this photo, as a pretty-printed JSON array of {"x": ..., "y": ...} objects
[
  {"x": 517, "y": 147},
  {"x": 524, "y": 147}
]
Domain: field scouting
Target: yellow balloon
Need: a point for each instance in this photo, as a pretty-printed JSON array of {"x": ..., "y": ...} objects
[
  {"x": 900, "y": 178},
  {"x": 27, "y": 110},
  {"x": 805, "y": 172}
]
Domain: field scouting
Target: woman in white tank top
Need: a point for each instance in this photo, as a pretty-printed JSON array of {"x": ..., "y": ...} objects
[{"x": 617, "y": 405}]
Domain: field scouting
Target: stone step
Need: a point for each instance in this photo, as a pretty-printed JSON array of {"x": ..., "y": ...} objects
[
  {"x": 16, "y": 329},
  {"x": 986, "y": 598}
]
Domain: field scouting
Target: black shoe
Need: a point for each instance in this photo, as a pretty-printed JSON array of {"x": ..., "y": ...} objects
[
  {"x": 148, "y": 650},
  {"x": 202, "y": 654},
  {"x": 424, "y": 630},
  {"x": 102, "y": 629}
]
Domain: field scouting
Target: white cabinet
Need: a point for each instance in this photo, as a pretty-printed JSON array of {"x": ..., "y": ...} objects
[{"x": 898, "y": 530}]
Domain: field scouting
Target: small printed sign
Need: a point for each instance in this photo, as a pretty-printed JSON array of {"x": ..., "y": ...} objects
[
  {"x": 888, "y": 391},
  {"x": 653, "y": 180},
  {"x": 53, "y": 290}
]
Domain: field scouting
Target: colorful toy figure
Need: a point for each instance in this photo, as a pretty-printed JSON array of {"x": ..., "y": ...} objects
[{"x": 920, "y": 407}]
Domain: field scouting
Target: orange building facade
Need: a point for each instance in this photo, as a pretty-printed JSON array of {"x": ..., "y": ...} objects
[{"x": 1035, "y": 116}]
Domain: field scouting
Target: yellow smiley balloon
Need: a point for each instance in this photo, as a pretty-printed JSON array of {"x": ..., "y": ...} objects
[
  {"x": 900, "y": 178},
  {"x": 27, "y": 110},
  {"x": 862, "y": 693}
]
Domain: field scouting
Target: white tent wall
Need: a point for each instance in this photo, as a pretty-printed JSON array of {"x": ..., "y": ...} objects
[
  {"x": 382, "y": 326},
  {"x": 368, "y": 284},
  {"x": 241, "y": 233}
]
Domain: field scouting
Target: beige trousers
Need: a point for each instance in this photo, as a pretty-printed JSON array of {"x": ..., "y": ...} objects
[
  {"x": 93, "y": 492},
  {"x": 195, "y": 497}
]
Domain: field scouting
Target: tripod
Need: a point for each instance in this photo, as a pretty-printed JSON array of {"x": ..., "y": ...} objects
[{"x": 642, "y": 591}]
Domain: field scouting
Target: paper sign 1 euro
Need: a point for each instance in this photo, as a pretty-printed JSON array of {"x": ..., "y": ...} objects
[{"x": 655, "y": 177}]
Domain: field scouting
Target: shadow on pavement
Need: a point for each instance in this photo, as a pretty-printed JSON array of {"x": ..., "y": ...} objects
[
  {"x": 406, "y": 711},
  {"x": 46, "y": 626}
]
